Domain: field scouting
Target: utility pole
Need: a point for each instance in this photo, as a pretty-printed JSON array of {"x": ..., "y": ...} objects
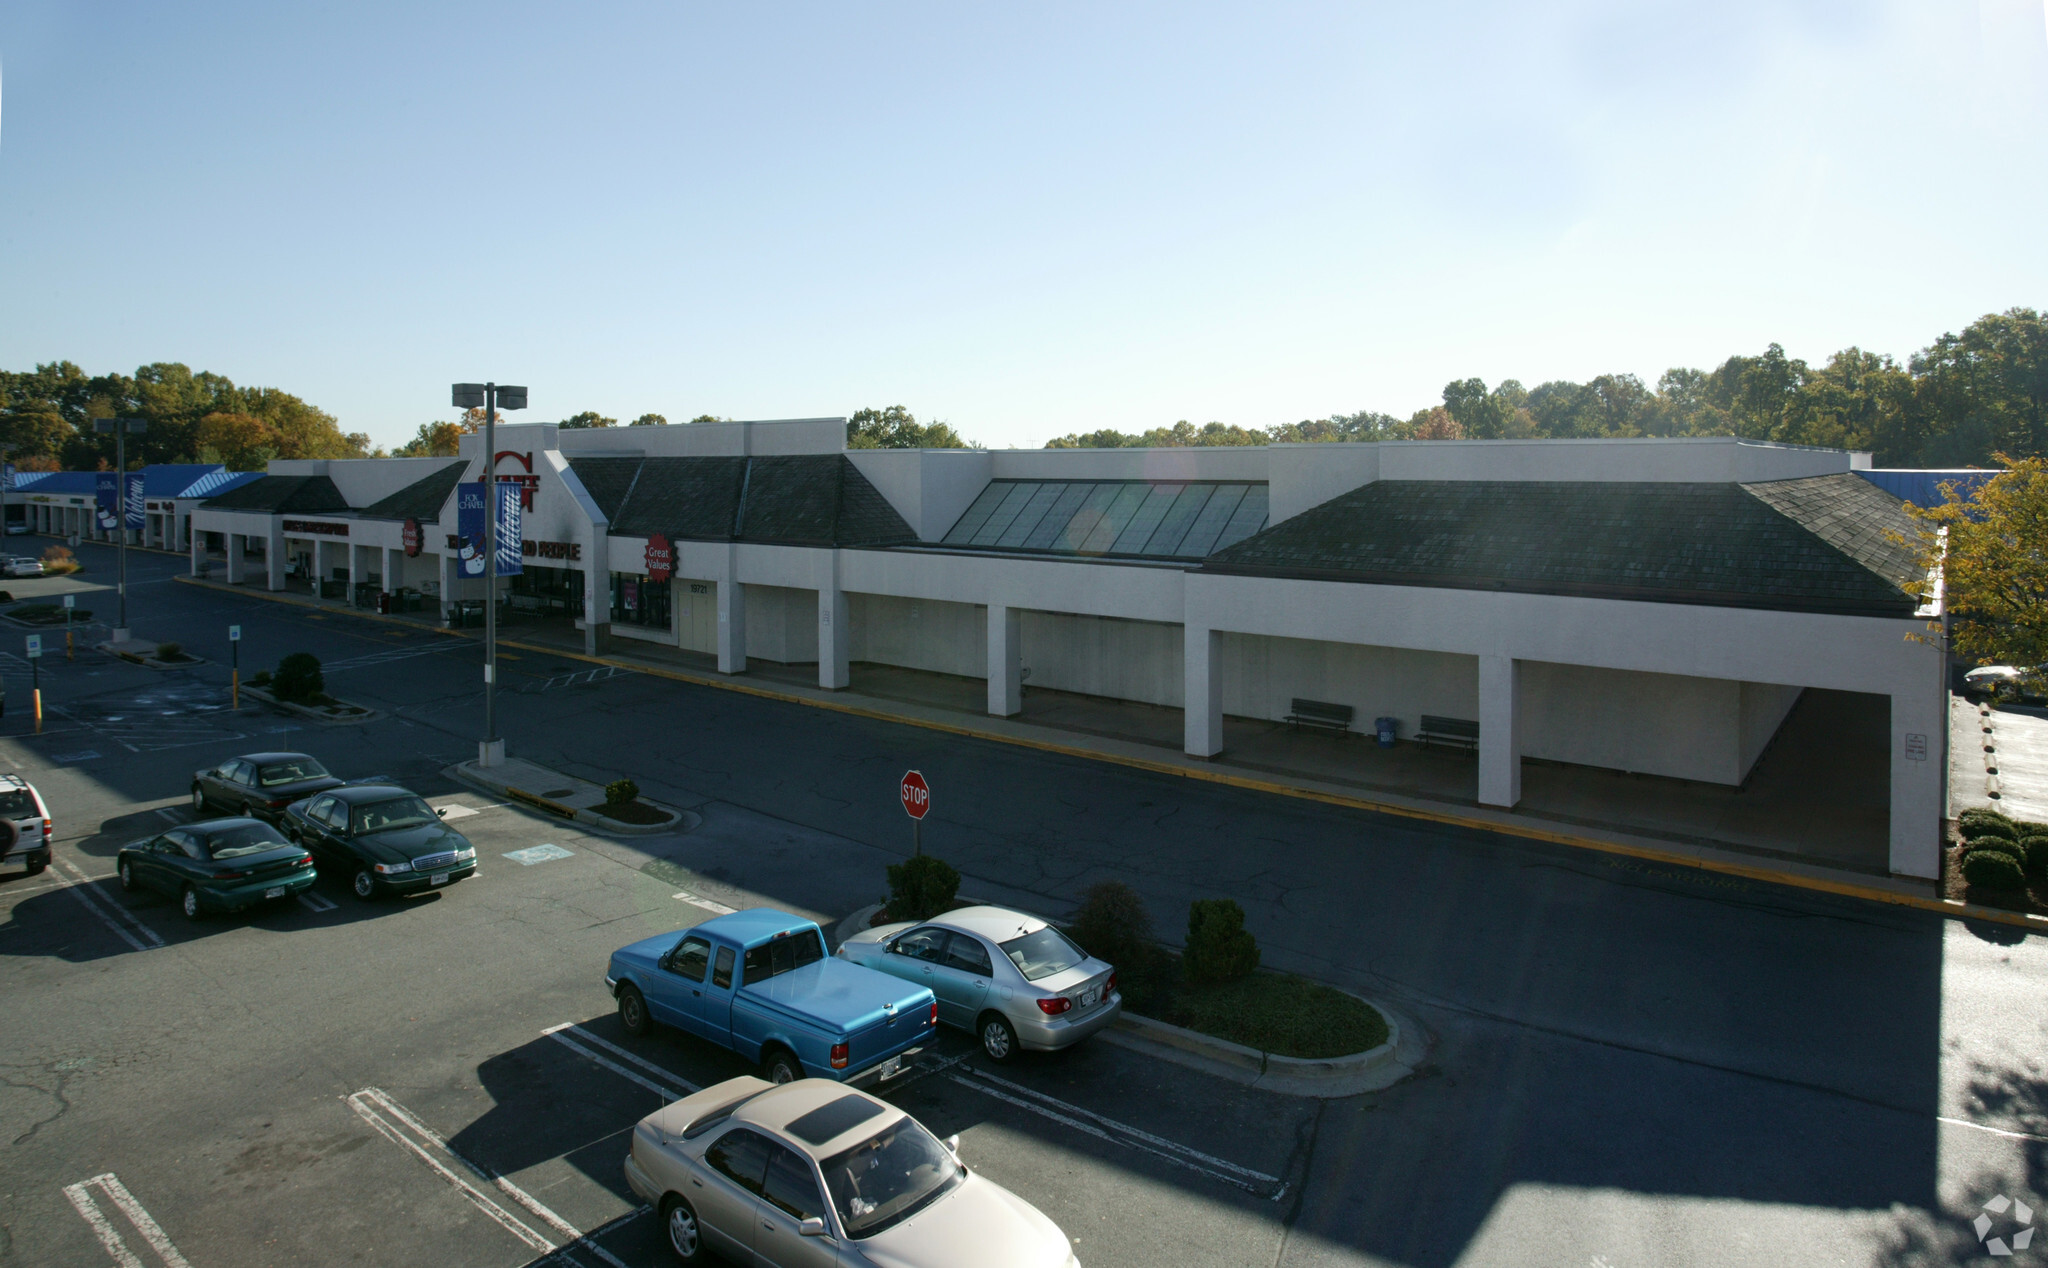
[
  {"x": 492, "y": 396},
  {"x": 122, "y": 429}
]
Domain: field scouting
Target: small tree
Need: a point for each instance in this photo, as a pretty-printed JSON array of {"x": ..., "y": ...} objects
[
  {"x": 1112, "y": 924},
  {"x": 298, "y": 678},
  {"x": 1991, "y": 547},
  {"x": 1220, "y": 948},
  {"x": 1990, "y": 869},
  {"x": 621, "y": 792},
  {"x": 921, "y": 887}
]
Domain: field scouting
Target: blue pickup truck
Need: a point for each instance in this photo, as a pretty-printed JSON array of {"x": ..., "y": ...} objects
[{"x": 760, "y": 983}]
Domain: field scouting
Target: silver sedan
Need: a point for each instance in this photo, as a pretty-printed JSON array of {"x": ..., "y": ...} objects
[
  {"x": 1013, "y": 980},
  {"x": 813, "y": 1174}
]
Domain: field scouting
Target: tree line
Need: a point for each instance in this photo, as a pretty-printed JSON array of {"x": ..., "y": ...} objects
[{"x": 1961, "y": 401}]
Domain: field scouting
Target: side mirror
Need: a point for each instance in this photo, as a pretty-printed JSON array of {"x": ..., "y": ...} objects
[
  {"x": 440, "y": 814},
  {"x": 812, "y": 1227},
  {"x": 953, "y": 1145}
]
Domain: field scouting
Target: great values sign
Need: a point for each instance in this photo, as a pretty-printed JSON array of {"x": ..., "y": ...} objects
[
  {"x": 916, "y": 794},
  {"x": 661, "y": 558},
  {"x": 412, "y": 537}
]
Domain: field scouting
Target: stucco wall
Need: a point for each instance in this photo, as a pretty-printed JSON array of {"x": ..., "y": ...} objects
[
  {"x": 1262, "y": 675},
  {"x": 1764, "y": 707},
  {"x": 1656, "y": 724},
  {"x": 1103, "y": 656},
  {"x": 946, "y": 638},
  {"x": 696, "y": 615},
  {"x": 782, "y": 624}
]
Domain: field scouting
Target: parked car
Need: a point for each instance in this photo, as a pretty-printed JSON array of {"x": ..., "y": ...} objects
[
  {"x": 260, "y": 785},
  {"x": 811, "y": 1173},
  {"x": 24, "y": 825},
  {"x": 219, "y": 865},
  {"x": 18, "y": 530},
  {"x": 759, "y": 982},
  {"x": 2018, "y": 684},
  {"x": 1011, "y": 979},
  {"x": 384, "y": 839},
  {"x": 21, "y": 566}
]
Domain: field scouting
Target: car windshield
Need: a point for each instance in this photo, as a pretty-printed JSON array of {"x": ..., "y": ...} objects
[
  {"x": 274, "y": 773},
  {"x": 889, "y": 1177},
  {"x": 1043, "y": 954},
  {"x": 398, "y": 812},
  {"x": 233, "y": 843}
]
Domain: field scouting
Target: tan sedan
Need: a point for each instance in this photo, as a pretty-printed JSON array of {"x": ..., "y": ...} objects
[{"x": 813, "y": 1173}]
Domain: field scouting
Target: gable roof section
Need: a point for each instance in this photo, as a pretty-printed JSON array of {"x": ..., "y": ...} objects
[
  {"x": 1725, "y": 545},
  {"x": 794, "y": 500},
  {"x": 421, "y": 500},
  {"x": 304, "y": 495},
  {"x": 219, "y": 482},
  {"x": 55, "y": 482}
]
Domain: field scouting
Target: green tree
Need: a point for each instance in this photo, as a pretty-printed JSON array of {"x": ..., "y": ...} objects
[
  {"x": 588, "y": 418},
  {"x": 1991, "y": 548},
  {"x": 897, "y": 428},
  {"x": 649, "y": 420}
]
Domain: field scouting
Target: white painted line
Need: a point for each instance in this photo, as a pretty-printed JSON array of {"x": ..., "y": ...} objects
[
  {"x": 505, "y": 1219},
  {"x": 609, "y": 1046},
  {"x": 1233, "y": 1177},
  {"x": 666, "y": 1094},
  {"x": 171, "y": 814},
  {"x": 716, "y": 909},
  {"x": 455, "y": 810},
  {"x": 1126, "y": 1128},
  {"x": 539, "y": 854},
  {"x": 1964, "y": 1122},
  {"x": 109, "y": 913},
  {"x": 316, "y": 902},
  {"x": 110, "y": 1238}
]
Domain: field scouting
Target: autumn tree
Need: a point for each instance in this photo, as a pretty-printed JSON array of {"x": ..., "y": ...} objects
[
  {"x": 1991, "y": 547},
  {"x": 649, "y": 420},
  {"x": 588, "y": 418},
  {"x": 897, "y": 428}
]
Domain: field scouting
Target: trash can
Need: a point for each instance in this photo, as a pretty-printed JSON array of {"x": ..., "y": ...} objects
[
  {"x": 383, "y": 603},
  {"x": 1385, "y": 727}
]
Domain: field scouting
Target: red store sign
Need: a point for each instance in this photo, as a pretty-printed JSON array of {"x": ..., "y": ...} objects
[
  {"x": 661, "y": 558},
  {"x": 413, "y": 538},
  {"x": 316, "y": 528}
]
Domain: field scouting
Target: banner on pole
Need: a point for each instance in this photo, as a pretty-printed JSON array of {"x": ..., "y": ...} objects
[
  {"x": 133, "y": 509},
  {"x": 469, "y": 527},
  {"x": 510, "y": 499}
]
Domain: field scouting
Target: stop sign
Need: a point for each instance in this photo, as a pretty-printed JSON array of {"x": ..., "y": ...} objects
[{"x": 916, "y": 794}]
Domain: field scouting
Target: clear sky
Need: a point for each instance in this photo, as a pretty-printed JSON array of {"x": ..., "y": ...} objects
[{"x": 1023, "y": 219}]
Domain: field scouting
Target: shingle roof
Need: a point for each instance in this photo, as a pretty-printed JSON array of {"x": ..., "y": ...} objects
[
  {"x": 799, "y": 500},
  {"x": 421, "y": 500},
  {"x": 305, "y": 495},
  {"x": 55, "y": 482},
  {"x": 1810, "y": 545}
]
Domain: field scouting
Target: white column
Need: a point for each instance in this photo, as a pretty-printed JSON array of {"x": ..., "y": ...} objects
[
  {"x": 1005, "y": 676},
  {"x": 1917, "y": 776},
  {"x": 597, "y": 591},
  {"x": 1500, "y": 739},
  {"x": 394, "y": 562},
  {"x": 732, "y": 616},
  {"x": 448, "y": 566},
  {"x": 834, "y": 635},
  {"x": 273, "y": 557},
  {"x": 198, "y": 545},
  {"x": 237, "y": 544},
  {"x": 1202, "y": 692}
]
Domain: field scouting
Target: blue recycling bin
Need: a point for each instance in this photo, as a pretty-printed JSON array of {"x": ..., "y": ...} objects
[{"x": 1385, "y": 727}]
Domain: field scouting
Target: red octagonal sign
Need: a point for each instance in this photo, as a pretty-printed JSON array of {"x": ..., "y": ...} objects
[{"x": 916, "y": 794}]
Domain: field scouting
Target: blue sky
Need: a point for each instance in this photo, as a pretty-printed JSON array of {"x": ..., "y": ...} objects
[{"x": 1024, "y": 220}]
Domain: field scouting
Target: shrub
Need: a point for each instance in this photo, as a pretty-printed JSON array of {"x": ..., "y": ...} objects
[
  {"x": 621, "y": 792},
  {"x": 2035, "y": 856},
  {"x": 169, "y": 651},
  {"x": 1993, "y": 869},
  {"x": 59, "y": 560},
  {"x": 298, "y": 678},
  {"x": 921, "y": 887},
  {"x": 260, "y": 679},
  {"x": 1976, "y": 815},
  {"x": 1112, "y": 924},
  {"x": 1219, "y": 948},
  {"x": 1980, "y": 829}
]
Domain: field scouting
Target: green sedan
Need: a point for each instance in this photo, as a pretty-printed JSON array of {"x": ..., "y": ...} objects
[{"x": 219, "y": 865}]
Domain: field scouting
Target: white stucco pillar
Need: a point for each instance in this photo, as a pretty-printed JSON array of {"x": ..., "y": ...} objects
[
  {"x": 198, "y": 546},
  {"x": 394, "y": 563},
  {"x": 1202, "y": 692},
  {"x": 597, "y": 591},
  {"x": 1918, "y": 775},
  {"x": 448, "y": 567},
  {"x": 237, "y": 543},
  {"x": 273, "y": 557},
  {"x": 732, "y": 617},
  {"x": 1005, "y": 665},
  {"x": 835, "y": 635},
  {"x": 1500, "y": 738}
]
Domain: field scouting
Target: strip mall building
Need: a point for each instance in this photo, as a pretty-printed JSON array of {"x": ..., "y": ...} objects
[{"x": 1652, "y": 606}]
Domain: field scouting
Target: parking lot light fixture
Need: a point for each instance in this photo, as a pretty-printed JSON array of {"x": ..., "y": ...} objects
[
  {"x": 122, "y": 428},
  {"x": 492, "y": 397}
]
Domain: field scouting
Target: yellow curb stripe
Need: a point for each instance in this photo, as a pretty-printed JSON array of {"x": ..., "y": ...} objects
[{"x": 1767, "y": 875}]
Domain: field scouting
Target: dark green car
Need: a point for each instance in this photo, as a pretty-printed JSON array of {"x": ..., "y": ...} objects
[
  {"x": 383, "y": 839},
  {"x": 219, "y": 865}
]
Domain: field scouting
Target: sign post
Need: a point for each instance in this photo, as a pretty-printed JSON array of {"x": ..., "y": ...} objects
[
  {"x": 917, "y": 799},
  {"x": 35, "y": 666},
  {"x": 70, "y": 606},
  {"x": 235, "y": 671}
]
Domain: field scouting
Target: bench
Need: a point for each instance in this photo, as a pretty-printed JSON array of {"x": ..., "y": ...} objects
[
  {"x": 1456, "y": 731},
  {"x": 1335, "y": 717}
]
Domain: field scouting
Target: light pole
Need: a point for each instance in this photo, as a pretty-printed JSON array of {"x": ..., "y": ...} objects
[
  {"x": 122, "y": 429},
  {"x": 492, "y": 397}
]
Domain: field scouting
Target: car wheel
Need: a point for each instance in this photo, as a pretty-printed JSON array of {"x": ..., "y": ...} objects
[
  {"x": 364, "y": 886},
  {"x": 633, "y": 1012},
  {"x": 998, "y": 1038},
  {"x": 680, "y": 1222},
  {"x": 127, "y": 876},
  {"x": 36, "y": 866},
  {"x": 188, "y": 902},
  {"x": 198, "y": 800},
  {"x": 781, "y": 1067}
]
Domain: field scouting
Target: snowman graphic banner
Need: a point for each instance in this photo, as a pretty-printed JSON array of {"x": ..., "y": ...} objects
[{"x": 469, "y": 526}]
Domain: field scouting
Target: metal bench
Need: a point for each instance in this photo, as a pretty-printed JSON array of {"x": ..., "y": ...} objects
[
  {"x": 1334, "y": 717},
  {"x": 1454, "y": 731}
]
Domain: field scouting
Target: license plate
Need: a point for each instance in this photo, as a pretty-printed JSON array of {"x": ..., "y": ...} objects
[
  {"x": 275, "y": 891},
  {"x": 1089, "y": 996},
  {"x": 438, "y": 878},
  {"x": 892, "y": 1067}
]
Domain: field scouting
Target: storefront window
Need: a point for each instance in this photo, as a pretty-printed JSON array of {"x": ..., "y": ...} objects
[
  {"x": 551, "y": 589},
  {"x": 638, "y": 601}
]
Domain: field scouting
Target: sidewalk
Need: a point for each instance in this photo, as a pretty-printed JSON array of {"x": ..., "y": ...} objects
[
  {"x": 878, "y": 692},
  {"x": 563, "y": 795}
]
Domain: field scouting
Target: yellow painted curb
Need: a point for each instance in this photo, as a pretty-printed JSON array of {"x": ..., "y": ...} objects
[{"x": 1747, "y": 871}]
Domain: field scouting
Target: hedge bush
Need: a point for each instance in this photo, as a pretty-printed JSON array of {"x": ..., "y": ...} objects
[
  {"x": 1980, "y": 814},
  {"x": 921, "y": 887},
  {"x": 2002, "y": 829},
  {"x": 298, "y": 678},
  {"x": 1992, "y": 869},
  {"x": 621, "y": 792},
  {"x": 1219, "y": 948},
  {"x": 2035, "y": 856},
  {"x": 1112, "y": 923}
]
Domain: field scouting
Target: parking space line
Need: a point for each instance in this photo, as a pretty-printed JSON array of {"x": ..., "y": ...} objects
[
  {"x": 560, "y": 1034},
  {"x": 1144, "y": 1142},
  {"x": 109, "y": 913},
  {"x": 716, "y": 909},
  {"x": 372, "y": 1103},
  {"x": 171, "y": 814},
  {"x": 316, "y": 902},
  {"x": 110, "y": 1237}
]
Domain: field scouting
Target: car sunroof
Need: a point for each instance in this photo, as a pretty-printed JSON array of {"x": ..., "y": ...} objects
[{"x": 830, "y": 1120}]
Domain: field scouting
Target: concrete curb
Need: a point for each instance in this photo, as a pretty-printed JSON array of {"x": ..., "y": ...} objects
[
  {"x": 1330, "y": 1078},
  {"x": 680, "y": 820},
  {"x": 309, "y": 711},
  {"x": 1503, "y": 824}
]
